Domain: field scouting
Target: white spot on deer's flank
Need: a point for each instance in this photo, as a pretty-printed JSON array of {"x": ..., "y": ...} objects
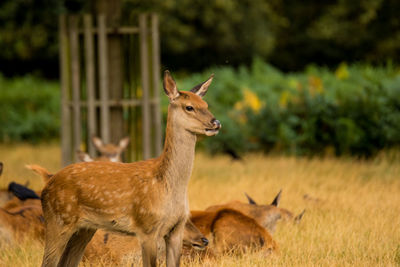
[
  {"x": 68, "y": 208},
  {"x": 145, "y": 188}
]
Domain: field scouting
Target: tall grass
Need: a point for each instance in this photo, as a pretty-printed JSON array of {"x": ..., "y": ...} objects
[{"x": 353, "y": 219}]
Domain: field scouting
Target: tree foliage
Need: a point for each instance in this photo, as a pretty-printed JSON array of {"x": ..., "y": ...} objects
[{"x": 197, "y": 34}]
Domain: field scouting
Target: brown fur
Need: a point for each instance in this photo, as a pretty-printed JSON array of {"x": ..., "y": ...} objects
[
  {"x": 147, "y": 198},
  {"x": 20, "y": 222},
  {"x": 266, "y": 215},
  {"x": 117, "y": 249},
  {"x": 231, "y": 231},
  {"x": 108, "y": 152}
]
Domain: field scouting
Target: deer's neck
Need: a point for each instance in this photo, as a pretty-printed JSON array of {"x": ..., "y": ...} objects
[{"x": 178, "y": 156}]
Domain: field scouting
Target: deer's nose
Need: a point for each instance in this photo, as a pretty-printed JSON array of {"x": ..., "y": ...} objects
[
  {"x": 216, "y": 123},
  {"x": 205, "y": 241}
]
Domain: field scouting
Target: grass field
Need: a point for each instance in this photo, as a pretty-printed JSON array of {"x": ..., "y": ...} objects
[{"x": 354, "y": 222}]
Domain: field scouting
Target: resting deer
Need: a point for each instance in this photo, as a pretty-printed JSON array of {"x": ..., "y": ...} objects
[
  {"x": 108, "y": 152},
  {"x": 266, "y": 215},
  {"x": 19, "y": 222},
  {"x": 116, "y": 249},
  {"x": 147, "y": 199},
  {"x": 231, "y": 231}
]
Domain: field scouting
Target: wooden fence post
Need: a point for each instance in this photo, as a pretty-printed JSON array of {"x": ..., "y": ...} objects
[
  {"x": 75, "y": 73},
  {"x": 90, "y": 82},
  {"x": 65, "y": 109},
  {"x": 144, "y": 68}
]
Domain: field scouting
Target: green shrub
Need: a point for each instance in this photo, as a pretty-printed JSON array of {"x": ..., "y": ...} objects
[
  {"x": 354, "y": 110},
  {"x": 29, "y": 109}
]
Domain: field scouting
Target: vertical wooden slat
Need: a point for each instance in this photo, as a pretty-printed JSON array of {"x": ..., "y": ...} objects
[
  {"x": 156, "y": 82},
  {"x": 103, "y": 73},
  {"x": 75, "y": 73},
  {"x": 90, "y": 81},
  {"x": 144, "y": 66},
  {"x": 65, "y": 110}
]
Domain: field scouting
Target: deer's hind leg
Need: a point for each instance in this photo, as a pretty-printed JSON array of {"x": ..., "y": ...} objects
[
  {"x": 55, "y": 243},
  {"x": 76, "y": 246},
  {"x": 149, "y": 252}
]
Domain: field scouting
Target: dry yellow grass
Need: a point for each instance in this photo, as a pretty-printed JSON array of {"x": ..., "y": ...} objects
[{"x": 355, "y": 223}]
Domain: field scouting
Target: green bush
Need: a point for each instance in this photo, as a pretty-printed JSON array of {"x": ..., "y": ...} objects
[
  {"x": 29, "y": 109},
  {"x": 353, "y": 110}
]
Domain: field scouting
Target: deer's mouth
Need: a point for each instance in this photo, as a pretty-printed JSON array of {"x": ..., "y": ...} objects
[
  {"x": 211, "y": 132},
  {"x": 198, "y": 246}
]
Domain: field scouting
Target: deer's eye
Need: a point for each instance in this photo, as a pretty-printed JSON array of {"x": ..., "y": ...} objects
[{"x": 189, "y": 108}]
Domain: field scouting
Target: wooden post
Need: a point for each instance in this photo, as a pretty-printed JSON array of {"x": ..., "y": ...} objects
[
  {"x": 155, "y": 42},
  {"x": 75, "y": 73},
  {"x": 112, "y": 11},
  {"x": 90, "y": 83},
  {"x": 65, "y": 109},
  {"x": 144, "y": 66},
  {"x": 103, "y": 73}
]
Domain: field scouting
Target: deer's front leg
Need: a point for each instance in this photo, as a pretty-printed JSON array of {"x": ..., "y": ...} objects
[{"x": 173, "y": 244}]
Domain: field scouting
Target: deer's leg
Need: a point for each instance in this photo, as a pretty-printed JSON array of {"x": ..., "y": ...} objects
[
  {"x": 149, "y": 252},
  {"x": 55, "y": 242},
  {"x": 76, "y": 246},
  {"x": 173, "y": 245}
]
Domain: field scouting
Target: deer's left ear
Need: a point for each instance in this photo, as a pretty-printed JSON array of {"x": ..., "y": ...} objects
[
  {"x": 202, "y": 88},
  {"x": 123, "y": 143},
  {"x": 277, "y": 199},
  {"x": 170, "y": 86},
  {"x": 251, "y": 201}
]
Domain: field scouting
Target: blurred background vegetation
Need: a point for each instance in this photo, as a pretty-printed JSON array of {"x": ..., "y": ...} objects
[{"x": 297, "y": 77}]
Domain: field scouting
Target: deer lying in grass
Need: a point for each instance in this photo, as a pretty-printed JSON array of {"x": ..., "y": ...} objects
[
  {"x": 115, "y": 249},
  {"x": 147, "y": 199},
  {"x": 108, "y": 152},
  {"x": 231, "y": 231},
  {"x": 21, "y": 222},
  {"x": 266, "y": 215}
]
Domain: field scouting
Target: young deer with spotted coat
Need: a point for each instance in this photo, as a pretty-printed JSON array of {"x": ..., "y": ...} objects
[
  {"x": 108, "y": 152},
  {"x": 146, "y": 198}
]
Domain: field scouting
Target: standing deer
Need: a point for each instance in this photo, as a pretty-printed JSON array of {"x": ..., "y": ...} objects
[
  {"x": 146, "y": 198},
  {"x": 108, "y": 152}
]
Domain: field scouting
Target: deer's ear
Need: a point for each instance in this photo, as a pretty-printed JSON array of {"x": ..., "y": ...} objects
[
  {"x": 84, "y": 157},
  {"x": 170, "y": 86},
  {"x": 251, "y": 201},
  {"x": 298, "y": 218},
  {"x": 97, "y": 142},
  {"x": 1, "y": 168},
  {"x": 277, "y": 199},
  {"x": 123, "y": 143},
  {"x": 202, "y": 88}
]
